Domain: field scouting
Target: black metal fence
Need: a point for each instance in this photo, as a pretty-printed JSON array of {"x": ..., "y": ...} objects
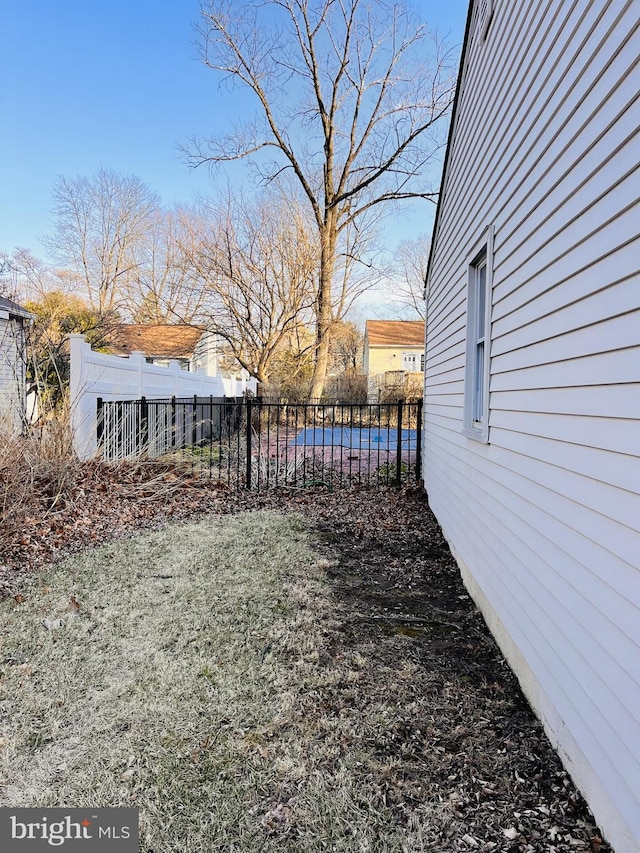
[{"x": 256, "y": 445}]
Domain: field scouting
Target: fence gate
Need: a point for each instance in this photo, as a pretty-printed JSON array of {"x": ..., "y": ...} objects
[{"x": 256, "y": 445}]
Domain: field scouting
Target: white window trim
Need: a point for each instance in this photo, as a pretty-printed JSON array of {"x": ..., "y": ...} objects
[
  {"x": 410, "y": 361},
  {"x": 472, "y": 428}
]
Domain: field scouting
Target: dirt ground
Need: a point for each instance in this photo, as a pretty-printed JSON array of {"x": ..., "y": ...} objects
[
  {"x": 399, "y": 598},
  {"x": 459, "y": 739}
]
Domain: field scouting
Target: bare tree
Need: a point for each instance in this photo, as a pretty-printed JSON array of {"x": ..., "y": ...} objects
[
  {"x": 258, "y": 260},
  {"x": 166, "y": 287},
  {"x": 351, "y": 101},
  {"x": 346, "y": 348},
  {"x": 410, "y": 270},
  {"x": 101, "y": 222},
  {"x": 24, "y": 276}
]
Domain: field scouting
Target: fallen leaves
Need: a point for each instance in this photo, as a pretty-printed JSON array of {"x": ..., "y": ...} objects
[
  {"x": 401, "y": 604},
  {"x": 102, "y": 501},
  {"x": 277, "y": 820}
]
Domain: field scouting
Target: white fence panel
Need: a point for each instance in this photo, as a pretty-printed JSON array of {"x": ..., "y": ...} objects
[{"x": 94, "y": 374}]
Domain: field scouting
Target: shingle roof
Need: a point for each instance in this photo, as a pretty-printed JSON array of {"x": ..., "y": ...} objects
[
  {"x": 13, "y": 308},
  {"x": 389, "y": 333},
  {"x": 161, "y": 341}
]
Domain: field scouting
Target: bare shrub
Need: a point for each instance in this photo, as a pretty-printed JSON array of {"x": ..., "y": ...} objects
[
  {"x": 348, "y": 387},
  {"x": 37, "y": 472},
  {"x": 401, "y": 385}
]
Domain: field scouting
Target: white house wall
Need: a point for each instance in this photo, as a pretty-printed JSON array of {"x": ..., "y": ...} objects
[
  {"x": 544, "y": 519},
  {"x": 206, "y": 353},
  {"x": 12, "y": 374}
]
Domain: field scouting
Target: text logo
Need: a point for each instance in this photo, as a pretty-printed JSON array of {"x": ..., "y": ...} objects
[{"x": 33, "y": 830}]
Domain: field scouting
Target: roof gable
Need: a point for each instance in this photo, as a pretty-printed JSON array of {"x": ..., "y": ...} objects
[
  {"x": 464, "y": 55},
  {"x": 13, "y": 309}
]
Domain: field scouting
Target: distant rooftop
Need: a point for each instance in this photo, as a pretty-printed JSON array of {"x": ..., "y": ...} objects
[
  {"x": 160, "y": 341},
  {"x": 389, "y": 333}
]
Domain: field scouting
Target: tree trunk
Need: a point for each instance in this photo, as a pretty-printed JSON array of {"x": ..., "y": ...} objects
[
  {"x": 324, "y": 312},
  {"x": 321, "y": 364}
]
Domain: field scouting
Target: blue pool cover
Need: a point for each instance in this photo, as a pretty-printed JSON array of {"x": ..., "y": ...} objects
[{"x": 368, "y": 439}]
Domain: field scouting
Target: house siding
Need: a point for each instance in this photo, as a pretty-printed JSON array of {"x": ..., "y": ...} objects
[
  {"x": 381, "y": 359},
  {"x": 544, "y": 519},
  {"x": 12, "y": 373}
]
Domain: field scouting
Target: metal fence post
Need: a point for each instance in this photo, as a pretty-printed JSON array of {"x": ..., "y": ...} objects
[
  {"x": 248, "y": 406},
  {"x": 419, "y": 443},
  {"x": 100, "y": 422},
  {"x": 173, "y": 421},
  {"x": 399, "y": 445},
  {"x": 210, "y": 428},
  {"x": 194, "y": 421},
  {"x": 143, "y": 434}
]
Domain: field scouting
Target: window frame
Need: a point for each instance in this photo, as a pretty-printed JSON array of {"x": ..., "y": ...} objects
[
  {"x": 478, "y": 339},
  {"x": 410, "y": 362}
]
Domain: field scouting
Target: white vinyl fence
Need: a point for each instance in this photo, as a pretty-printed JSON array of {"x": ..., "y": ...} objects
[{"x": 95, "y": 375}]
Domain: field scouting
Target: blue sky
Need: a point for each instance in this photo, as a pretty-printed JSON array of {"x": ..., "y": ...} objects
[{"x": 117, "y": 84}]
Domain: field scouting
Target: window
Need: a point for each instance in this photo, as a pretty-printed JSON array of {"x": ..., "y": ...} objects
[
  {"x": 410, "y": 362},
  {"x": 476, "y": 390},
  {"x": 478, "y": 356}
]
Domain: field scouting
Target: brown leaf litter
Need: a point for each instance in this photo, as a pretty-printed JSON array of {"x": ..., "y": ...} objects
[{"x": 411, "y": 678}]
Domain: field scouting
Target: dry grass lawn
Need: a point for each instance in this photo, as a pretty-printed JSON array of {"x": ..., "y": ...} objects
[
  {"x": 157, "y": 672},
  {"x": 197, "y": 672}
]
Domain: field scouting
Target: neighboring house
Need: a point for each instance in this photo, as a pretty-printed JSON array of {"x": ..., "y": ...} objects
[
  {"x": 13, "y": 362},
  {"x": 393, "y": 345},
  {"x": 393, "y": 351},
  {"x": 532, "y": 384},
  {"x": 191, "y": 346}
]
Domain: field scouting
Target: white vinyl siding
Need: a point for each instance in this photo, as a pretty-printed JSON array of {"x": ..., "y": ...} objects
[
  {"x": 545, "y": 520},
  {"x": 12, "y": 373},
  {"x": 483, "y": 17}
]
